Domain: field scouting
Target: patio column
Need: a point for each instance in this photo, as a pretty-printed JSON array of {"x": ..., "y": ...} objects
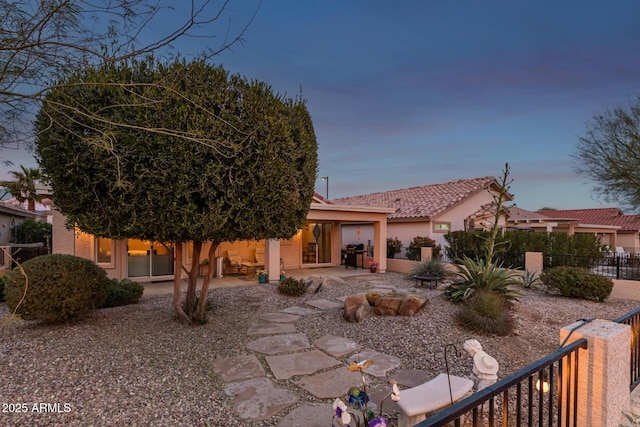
[
  {"x": 272, "y": 259},
  {"x": 380, "y": 246}
]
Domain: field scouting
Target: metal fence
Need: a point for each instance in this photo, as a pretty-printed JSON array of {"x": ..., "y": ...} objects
[
  {"x": 613, "y": 265},
  {"x": 633, "y": 319},
  {"x": 542, "y": 394}
]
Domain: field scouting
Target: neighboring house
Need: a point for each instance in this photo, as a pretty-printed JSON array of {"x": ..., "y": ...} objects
[
  {"x": 10, "y": 216},
  {"x": 430, "y": 210},
  {"x": 317, "y": 244},
  {"x": 614, "y": 228}
]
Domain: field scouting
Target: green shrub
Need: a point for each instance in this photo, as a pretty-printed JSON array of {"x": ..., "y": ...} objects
[
  {"x": 291, "y": 286},
  {"x": 478, "y": 275},
  {"x": 33, "y": 231},
  {"x": 3, "y": 281},
  {"x": 576, "y": 282},
  {"x": 122, "y": 293},
  {"x": 435, "y": 267},
  {"x": 414, "y": 249},
  {"x": 61, "y": 287},
  {"x": 487, "y": 313},
  {"x": 394, "y": 246}
]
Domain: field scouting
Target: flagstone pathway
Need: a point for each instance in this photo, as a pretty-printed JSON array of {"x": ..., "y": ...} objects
[{"x": 255, "y": 396}]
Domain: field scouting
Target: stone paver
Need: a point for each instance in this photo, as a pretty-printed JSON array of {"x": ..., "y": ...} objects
[
  {"x": 270, "y": 328},
  {"x": 279, "y": 344},
  {"x": 324, "y": 304},
  {"x": 238, "y": 368},
  {"x": 336, "y": 346},
  {"x": 377, "y": 393},
  {"x": 306, "y": 363},
  {"x": 309, "y": 415},
  {"x": 381, "y": 362},
  {"x": 259, "y": 399},
  {"x": 279, "y": 317},
  {"x": 331, "y": 384},
  {"x": 381, "y": 284},
  {"x": 302, "y": 311}
]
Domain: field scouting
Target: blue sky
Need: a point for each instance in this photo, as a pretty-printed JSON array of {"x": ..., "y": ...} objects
[{"x": 421, "y": 92}]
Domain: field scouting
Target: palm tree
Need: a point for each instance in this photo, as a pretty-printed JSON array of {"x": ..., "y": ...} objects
[{"x": 23, "y": 187}]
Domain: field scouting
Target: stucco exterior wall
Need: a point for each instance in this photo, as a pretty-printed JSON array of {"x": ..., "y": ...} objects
[
  {"x": 627, "y": 240},
  {"x": 63, "y": 241}
]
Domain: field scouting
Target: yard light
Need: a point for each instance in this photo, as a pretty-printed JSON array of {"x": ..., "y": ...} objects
[
  {"x": 326, "y": 178},
  {"x": 542, "y": 384}
]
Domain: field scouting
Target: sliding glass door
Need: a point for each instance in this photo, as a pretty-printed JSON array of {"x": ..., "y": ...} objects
[
  {"x": 316, "y": 243},
  {"x": 149, "y": 259}
]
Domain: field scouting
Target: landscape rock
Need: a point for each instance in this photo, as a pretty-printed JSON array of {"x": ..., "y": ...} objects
[
  {"x": 396, "y": 304},
  {"x": 387, "y": 306},
  {"x": 411, "y": 305},
  {"x": 356, "y": 308},
  {"x": 315, "y": 284},
  {"x": 372, "y": 297}
]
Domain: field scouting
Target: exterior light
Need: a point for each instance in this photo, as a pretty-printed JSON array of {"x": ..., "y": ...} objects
[{"x": 326, "y": 178}]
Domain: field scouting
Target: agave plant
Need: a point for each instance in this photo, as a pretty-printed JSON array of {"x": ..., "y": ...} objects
[{"x": 475, "y": 275}]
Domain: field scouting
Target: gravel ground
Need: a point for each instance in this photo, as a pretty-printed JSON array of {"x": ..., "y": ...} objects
[{"x": 138, "y": 366}]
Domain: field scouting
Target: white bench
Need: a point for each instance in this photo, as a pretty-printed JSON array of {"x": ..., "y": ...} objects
[{"x": 417, "y": 401}]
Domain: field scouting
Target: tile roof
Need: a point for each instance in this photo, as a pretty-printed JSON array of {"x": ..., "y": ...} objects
[
  {"x": 603, "y": 216},
  {"x": 421, "y": 202}
]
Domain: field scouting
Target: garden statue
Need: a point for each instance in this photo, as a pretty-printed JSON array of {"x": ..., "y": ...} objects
[{"x": 485, "y": 367}]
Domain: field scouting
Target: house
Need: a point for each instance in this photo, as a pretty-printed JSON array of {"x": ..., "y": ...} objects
[
  {"x": 317, "y": 244},
  {"x": 614, "y": 227},
  {"x": 429, "y": 211}
]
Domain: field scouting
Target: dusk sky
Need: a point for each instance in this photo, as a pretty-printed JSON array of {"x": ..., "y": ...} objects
[{"x": 421, "y": 92}]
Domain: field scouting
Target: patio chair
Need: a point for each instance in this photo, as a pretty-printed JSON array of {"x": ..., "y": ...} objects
[
  {"x": 259, "y": 262},
  {"x": 234, "y": 260}
]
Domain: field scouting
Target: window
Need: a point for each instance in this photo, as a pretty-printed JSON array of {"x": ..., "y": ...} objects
[
  {"x": 441, "y": 227},
  {"x": 104, "y": 249}
]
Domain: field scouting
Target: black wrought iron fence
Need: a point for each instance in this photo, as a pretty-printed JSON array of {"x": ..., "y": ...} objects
[
  {"x": 614, "y": 265},
  {"x": 542, "y": 394},
  {"x": 633, "y": 319}
]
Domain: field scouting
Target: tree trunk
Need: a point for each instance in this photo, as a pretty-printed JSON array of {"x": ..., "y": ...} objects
[
  {"x": 177, "y": 306},
  {"x": 190, "y": 300},
  {"x": 201, "y": 310}
]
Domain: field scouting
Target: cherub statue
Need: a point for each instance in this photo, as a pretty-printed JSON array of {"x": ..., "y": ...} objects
[{"x": 485, "y": 367}]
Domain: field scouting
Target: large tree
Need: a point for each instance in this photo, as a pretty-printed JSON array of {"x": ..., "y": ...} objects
[
  {"x": 41, "y": 40},
  {"x": 609, "y": 154},
  {"x": 243, "y": 166},
  {"x": 23, "y": 186}
]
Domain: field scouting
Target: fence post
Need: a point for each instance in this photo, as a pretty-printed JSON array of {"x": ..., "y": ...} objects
[
  {"x": 617, "y": 266},
  {"x": 603, "y": 372}
]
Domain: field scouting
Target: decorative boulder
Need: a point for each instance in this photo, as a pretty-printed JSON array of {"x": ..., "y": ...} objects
[
  {"x": 411, "y": 305},
  {"x": 387, "y": 306},
  {"x": 314, "y": 285},
  {"x": 394, "y": 305},
  {"x": 356, "y": 308},
  {"x": 372, "y": 297}
]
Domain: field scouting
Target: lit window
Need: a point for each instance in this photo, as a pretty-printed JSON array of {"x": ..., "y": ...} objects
[
  {"x": 441, "y": 227},
  {"x": 104, "y": 247}
]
